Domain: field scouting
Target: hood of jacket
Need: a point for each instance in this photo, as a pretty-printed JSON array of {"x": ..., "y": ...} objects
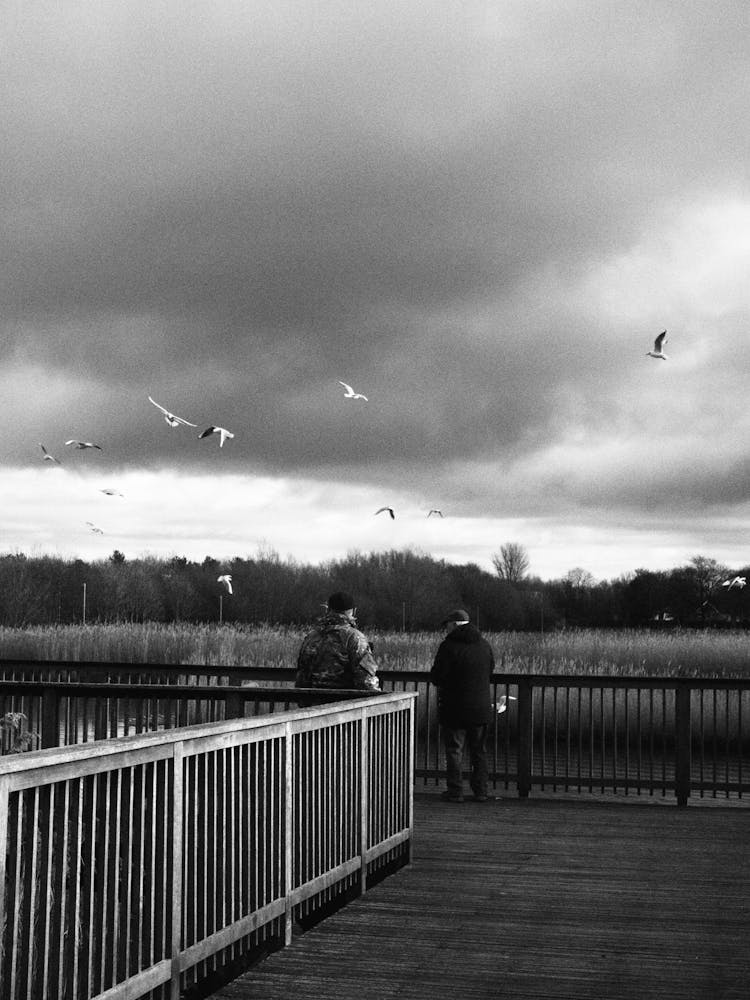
[
  {"x": 465, "y": 634},
  {"x": 333, "y": 620}
]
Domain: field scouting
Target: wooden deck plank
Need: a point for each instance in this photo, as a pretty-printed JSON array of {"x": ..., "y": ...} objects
[{"x": 539, "y": 899}]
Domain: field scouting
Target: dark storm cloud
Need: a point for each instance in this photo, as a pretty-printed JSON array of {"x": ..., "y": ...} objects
[{"x": 232, "y": 211}]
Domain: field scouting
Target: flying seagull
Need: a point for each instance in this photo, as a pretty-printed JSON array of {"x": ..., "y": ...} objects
[
  {"x": 389, "y": 509},
  {"x": 435, "y": 511},
  {"x": 350, "y": 393},
  {"x": 657, "y": 351},
  {"x": 47, "y": 457},
  {"x": 172, "y": 420},
  {"x": 84, "y": 444},
  {"x": 738, "y": 581},
  {"x": 226, "y": 579},
  {"x": 217, "y": 430},
  {"x": 113, "y": 493},
  {"x": 97, "y": 531},
  {"x": 502, "y": 703}
]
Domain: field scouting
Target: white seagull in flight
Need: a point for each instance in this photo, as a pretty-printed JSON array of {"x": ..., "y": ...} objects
[
  {"x": 97, "y": 531},
  {"x": 224, "y": 434},
  {"x": 226, "y": 579},
  {"x": 112, "y": 493},
  {"x": 350, "y": 393},
  {"x": 502, "y": 703},
  {"x": 84, "y": 444},
  {"x": 657, "y": 351},
  {"x": 435, "y": 511},
  {"x": 738, "y": 581},
  {"x": 389, "y": 509},
  {"x": 172, "y": 420},
  {"x": 47, "y": 456}
]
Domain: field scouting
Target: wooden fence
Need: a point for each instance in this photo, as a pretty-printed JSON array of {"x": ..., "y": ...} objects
[
  {"x": 648, "y": 736},
  {"x": 143, "y": 865}
]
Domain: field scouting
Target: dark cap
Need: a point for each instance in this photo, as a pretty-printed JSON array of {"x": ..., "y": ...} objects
[
  {"x": 459, "y": 615},
  {"x": 340, "y": 601}
]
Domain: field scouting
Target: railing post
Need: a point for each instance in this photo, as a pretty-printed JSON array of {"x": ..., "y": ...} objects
[
  {"x": 234, "y": 706},
  {"x": 289, "y": 833},
  {"x": 410, "y": 776},
  {"x": 177, "y": 866},
  {"x": 364, "y": 812},
  {"x": 50, "y": 717},
  {"x": 524, "y": 737},
  {"x": 4, "y": 800},
  {"x": 682, "y": 744}
]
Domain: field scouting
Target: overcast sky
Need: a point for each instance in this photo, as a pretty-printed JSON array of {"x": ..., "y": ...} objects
[{"x": 479, "y": 214}]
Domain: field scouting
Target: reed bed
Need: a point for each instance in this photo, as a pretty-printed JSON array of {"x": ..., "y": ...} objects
[{"x": 624, "y": 653}]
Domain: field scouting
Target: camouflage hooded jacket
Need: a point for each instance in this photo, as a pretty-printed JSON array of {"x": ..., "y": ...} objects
[{"x": 335, "y": 654}]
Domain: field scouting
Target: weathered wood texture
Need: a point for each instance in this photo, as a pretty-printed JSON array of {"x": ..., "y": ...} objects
[
  {"x": 539, "y": 899},
  {"x": 140, "y": 866},
  {"x": 676, "y": 737}
]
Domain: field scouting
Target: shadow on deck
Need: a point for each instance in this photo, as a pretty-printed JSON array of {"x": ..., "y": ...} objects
[{"x": 539, "y": 899}]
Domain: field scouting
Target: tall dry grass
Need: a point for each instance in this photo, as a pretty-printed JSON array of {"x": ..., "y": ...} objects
[{"x": 681, "y": 653}]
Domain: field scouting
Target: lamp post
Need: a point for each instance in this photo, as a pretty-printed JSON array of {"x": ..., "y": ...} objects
[{"x": 540, "y": 595}]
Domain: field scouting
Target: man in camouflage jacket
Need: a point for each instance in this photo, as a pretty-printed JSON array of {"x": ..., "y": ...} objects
[{"x": 335, "y": 654}]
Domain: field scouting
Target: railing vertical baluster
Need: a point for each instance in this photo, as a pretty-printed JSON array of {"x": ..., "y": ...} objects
[
  {"x": 591, "y": 739},
  {"x": 128, "y": 874},
  {"x": 602, "y": 741},
  {"x": 613, "y": 692},
  {"x": 740, "y": 742},
  {"x": 289, "y": 828},
  {"x": 579, "y": 728},
  {"x": 524, "y": 736},
  {"x": 4, "y": 808},
  {"x": 543, "y": 734},
  {"x": 567, "y": 737},
  {"x": 46, "y": 877},
  {"x": 364, "y": 802},
  {"x": 30, "y": 892},
  {"x": 58, "y": 889},
  {"x": 50, "y": 717},
  {"x": 626, "y": 699},
  {"x": 727, "y": 742},
  {"x": 651, "y": 740},
  {"x": 178, "y": 815},
  {"x": 682, "y": 743},
  {"x": 664, "y": 753}
]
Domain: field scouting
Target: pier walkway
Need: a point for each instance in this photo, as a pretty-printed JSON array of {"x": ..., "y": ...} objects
[{"x": 539, "y": 899}]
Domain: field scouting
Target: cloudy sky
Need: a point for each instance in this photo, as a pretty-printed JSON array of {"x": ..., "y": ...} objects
[{"x": 479, "y": 214}]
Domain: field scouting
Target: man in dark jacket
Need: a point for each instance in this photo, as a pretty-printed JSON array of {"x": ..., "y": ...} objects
[
  {"x": 335, "y": 654},
  {"x": 462, "y": 672}
]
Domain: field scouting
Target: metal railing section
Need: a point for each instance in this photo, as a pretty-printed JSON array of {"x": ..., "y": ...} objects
[{"x": 654, "y": 736}]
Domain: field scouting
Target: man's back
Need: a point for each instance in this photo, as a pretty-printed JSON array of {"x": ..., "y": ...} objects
[
  {"x": 335, "y": 654},
  {"x": 462, "y": 670}
]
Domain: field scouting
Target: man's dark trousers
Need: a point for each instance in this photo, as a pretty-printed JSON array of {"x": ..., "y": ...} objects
[{"x": 455, "y": 740}]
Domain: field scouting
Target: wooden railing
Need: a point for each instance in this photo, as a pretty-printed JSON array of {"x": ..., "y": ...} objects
[
  {"x": 142, "y": 865},
  {"x": 654, "y": 736}
]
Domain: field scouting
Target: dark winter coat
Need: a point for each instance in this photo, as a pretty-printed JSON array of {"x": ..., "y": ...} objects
[{"x": 463, "y": 666}]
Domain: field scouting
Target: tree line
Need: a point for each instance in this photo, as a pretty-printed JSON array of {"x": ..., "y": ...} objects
[{"x": 403, "y": 590}]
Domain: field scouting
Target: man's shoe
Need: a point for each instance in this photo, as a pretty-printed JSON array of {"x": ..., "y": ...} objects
[{"x": 451, "y": 797}]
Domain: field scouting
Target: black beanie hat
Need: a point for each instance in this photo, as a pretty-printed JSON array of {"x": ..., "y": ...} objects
[{"x": 340, "y": 601}]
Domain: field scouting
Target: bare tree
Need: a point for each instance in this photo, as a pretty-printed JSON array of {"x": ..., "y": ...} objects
[
  {"x": 708, "y": 574},
  {"x": 579, "y": 578},
  {"x": 511, "y": 562}
]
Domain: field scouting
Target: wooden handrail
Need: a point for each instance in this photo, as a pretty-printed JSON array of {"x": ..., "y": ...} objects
[
  {"x": 130, "y": 863},
  {"x": 692, "y": 734}
]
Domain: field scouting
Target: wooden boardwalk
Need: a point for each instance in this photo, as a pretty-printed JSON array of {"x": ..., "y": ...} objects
[{"x": 539, "y": 899}]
